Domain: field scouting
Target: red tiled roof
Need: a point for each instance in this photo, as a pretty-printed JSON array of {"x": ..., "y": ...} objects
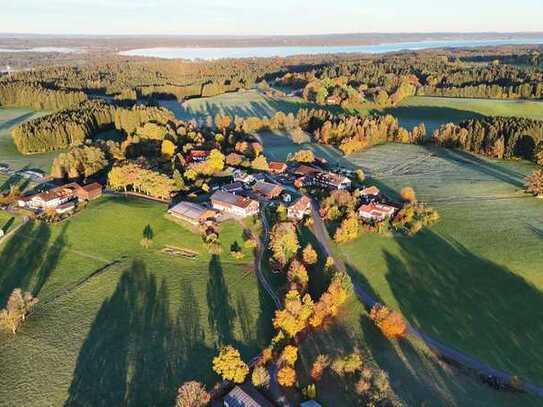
[{"x": 373, "y": 190}]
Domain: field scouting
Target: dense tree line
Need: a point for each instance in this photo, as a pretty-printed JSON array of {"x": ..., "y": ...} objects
[
  {"x": 356, "y": 133},
  {"x": 21, "y": 94},
  {"x": 73, "y": 126},
  {"x": 387, "y": 80},
  {"x": 500, "y": 137},
  {"x": 154, "y": 78},
  {"x": 83, "y": 161},
  {"x": 132, "y": 177}
]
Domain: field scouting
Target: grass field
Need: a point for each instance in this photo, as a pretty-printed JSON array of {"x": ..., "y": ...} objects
[
  {"x": 242, "y": 104},
  {"x": 437, "y": 111},
  {"x": 475, "y": 279},
  {"x": 9, "y": 118},
  {"x": 117, "y": 324}
]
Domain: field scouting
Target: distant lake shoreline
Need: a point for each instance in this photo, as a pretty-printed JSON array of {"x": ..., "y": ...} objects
[{"x": 203, "y": 53}]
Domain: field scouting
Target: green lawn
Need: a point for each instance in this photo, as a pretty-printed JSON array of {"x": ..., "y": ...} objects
[
  {"x": 10, "y": 118},
  {"x": 242, "y": 104},
  {"x": 437, "y": 111},
  {"x": 132, "y": 332},
  {"x": 475, "y": 279}
]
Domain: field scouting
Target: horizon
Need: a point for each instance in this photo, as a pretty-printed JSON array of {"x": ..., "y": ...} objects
[
  {"x": 242, "y": 18},
  {"x": 251, "y": 36}
]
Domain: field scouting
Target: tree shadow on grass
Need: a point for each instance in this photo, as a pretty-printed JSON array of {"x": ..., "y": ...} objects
[
  {"x": 432, "y": 116},
  {"x": 8, "y": 124},
  {"x": 135, "y": 354},
  {"x": 221, "y": 313},
  {"x": 479, "y": 164},
  {"x": 21, "y": 257},
  {"x": 469, "y": 302}
]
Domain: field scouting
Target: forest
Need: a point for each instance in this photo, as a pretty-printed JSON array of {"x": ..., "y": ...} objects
[{"x": 499, "y": 137}]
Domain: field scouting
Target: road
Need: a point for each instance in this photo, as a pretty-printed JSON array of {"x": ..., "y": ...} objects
[
  {"x": 440, "y": 349},
  {"x": 263, "y": 243}
]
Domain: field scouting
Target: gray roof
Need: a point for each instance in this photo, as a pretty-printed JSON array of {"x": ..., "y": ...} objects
[
  {"x": 189, "y": 210},
  {"x": 246, "y": 395}
]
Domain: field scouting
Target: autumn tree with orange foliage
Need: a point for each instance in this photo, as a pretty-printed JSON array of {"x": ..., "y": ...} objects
[
  {"x": 286, "y": 376},
  {"x": 389, "y": 322},
  {"x": 297, "y": 275},
  {"x": 318, "y": 367},
  {"x": 329, "y": 303},
  {"x": 293, "y": 318}
]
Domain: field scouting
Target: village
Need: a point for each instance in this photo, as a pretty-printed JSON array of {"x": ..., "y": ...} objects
[{"x": 241, "y": 194}]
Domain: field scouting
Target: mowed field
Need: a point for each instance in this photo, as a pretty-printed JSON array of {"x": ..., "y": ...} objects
[
  {"x": 474, "y": 280},
  {"x": 242, "y": 104},
  {"x": 10, "y": 118},
  {"x": 435, "y": 111},
  {"x": 118, "y": 324}
]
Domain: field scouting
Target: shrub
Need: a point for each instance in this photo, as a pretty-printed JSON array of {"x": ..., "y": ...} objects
[
  {"x": 408, "y": 194},
  {"x": 192, "y": 394},
  {"x": 389, "y": 322}
]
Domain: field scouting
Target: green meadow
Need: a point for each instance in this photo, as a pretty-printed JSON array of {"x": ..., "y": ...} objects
[
  {"x": 474, "y": 280},
  {"x": 119, "y": 324},
  {"x": 10, "y": 118}
]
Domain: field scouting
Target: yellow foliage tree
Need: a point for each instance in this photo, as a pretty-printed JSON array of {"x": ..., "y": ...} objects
[
  {"x": 229, "y": 366},
  {"x": 286, "y": 376}
]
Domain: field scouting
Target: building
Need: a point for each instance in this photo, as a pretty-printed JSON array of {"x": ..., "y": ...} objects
[
  {"x": 376, "y": 211},
  {"x": 333, "y": 100},
  {"x": 245, "y": 395},
  {"x": 58, "y": 196},
  {"x": 65, "y": 208},
  {"x": 332, "y": 180},
  {"x": 371, "y": 192},
  {"x": 50, "y": 199},
  {"x": 300, "y": 208},
  {"x": 302, "y": 182},
  {"x": 277, "y": 167},
  {"x": 89, "y": 192},
  {"x": 305, "y": 170},
  {"x": 196, "y": 156},
  {"x": 192, "y": 212},
  {"x": 232, "y": 187},
  {"x": 233, "y": 204},
  {"x": 268, "y": 190},
  {"x": 242, "y": 176}
]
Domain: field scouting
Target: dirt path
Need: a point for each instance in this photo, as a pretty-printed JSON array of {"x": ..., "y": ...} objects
[{"x": 440, "y": 349}]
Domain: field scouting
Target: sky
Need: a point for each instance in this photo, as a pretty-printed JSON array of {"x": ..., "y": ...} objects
[{"x": 254, "y": 17}]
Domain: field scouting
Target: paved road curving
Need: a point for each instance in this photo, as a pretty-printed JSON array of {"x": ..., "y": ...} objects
[{"x": 440, "y": 349}]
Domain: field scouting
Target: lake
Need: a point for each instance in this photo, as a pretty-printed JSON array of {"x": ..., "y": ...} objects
[{"x": 263, "y": 52}]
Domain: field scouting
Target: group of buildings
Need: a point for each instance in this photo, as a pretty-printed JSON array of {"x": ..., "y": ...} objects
[
  {"x": 62, "y": 199},
  {"x": 245, "y": 195}
]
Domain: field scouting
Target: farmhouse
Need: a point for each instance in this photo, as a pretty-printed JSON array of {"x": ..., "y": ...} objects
[
  {"x": 333, "y": 100},
  {"x": 277, "y": 167},
  {"x": 65, "y": 208},
  {"x": 89, "y": 192},
  {"x": 56, "y": 197},
  {"x": 300, "y": 208},
  {"x": 268, "y": 190},
  {"x": 332, "y": 180},
  {"x": 192, "y": 212},
  {"x": 371, "y": 192},
  {"x": 233, "y": 204},
  {"x": 52, "y": 198},
  {"x": 376, "y": 211},
  {"x": 232, "y": 187},
  {"x": 196, "y": 156},
  {"x": 305, "y": 170},
  {"x": 245, "y": 395}
]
